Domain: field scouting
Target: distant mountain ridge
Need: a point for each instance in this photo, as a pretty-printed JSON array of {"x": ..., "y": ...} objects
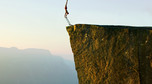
[
  {"x": 29, "y": 50},
  {"x": 34, "y": 66}
]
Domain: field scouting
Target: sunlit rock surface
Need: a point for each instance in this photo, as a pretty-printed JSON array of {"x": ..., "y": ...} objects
[{"x": 106, "y": 54}]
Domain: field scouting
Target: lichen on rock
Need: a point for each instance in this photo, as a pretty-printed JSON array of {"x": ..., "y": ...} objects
[{"x": 106, "y": 54}]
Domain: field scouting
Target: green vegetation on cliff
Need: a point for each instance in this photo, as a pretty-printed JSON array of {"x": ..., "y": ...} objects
[{"x": 112, "y": 54}]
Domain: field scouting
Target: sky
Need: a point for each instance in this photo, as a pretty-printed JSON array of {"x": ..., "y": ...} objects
[{"x": 41, "y": 23}]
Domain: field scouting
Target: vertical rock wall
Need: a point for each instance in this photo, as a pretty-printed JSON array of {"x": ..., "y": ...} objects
[{"x": 112, "y": 54}]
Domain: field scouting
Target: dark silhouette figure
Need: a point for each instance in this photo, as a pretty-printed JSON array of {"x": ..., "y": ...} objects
[{"x": 66, "y": 12}]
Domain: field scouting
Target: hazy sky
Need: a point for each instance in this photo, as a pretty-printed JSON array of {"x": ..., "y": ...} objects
[{"x": 40, "y": 23}]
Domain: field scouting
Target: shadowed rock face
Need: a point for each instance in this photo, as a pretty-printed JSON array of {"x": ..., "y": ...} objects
[{"x": 112, "y": 54}]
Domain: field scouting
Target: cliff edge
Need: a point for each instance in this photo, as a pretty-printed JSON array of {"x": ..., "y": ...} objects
[{"x": 112, "y": 54}]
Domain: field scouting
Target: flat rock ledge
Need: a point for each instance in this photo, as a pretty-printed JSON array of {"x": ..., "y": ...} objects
[{"x": 108, "y": 54}]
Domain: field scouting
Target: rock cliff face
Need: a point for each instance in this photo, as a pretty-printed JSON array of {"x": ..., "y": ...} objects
[{"x": 112, "y": 54}]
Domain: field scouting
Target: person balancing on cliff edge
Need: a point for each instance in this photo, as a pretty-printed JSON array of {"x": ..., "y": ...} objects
[{"x": 66, "y": 13}]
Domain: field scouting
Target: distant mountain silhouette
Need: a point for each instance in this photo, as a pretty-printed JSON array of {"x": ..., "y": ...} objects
[{"x": 34, "y": 66}]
